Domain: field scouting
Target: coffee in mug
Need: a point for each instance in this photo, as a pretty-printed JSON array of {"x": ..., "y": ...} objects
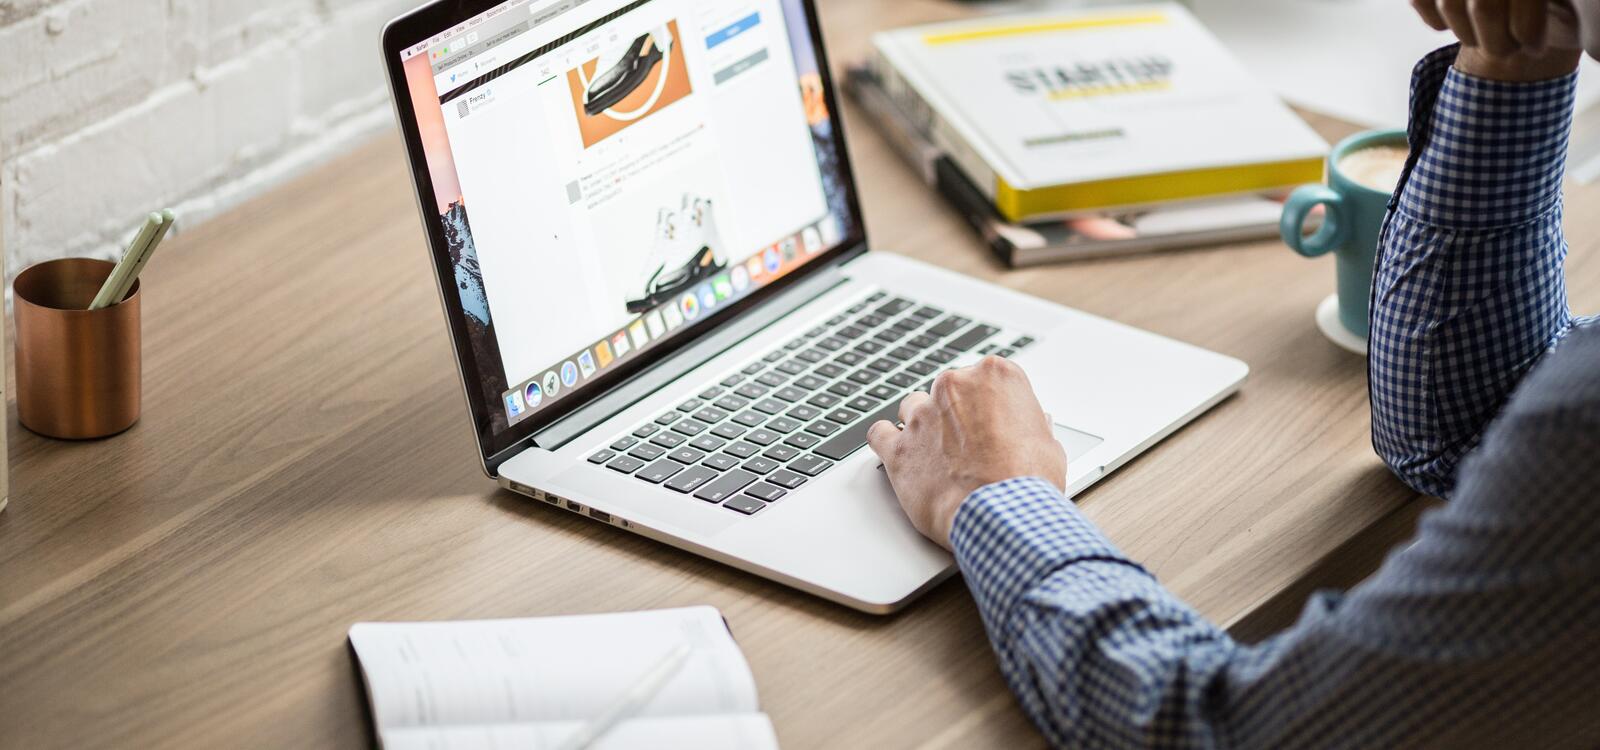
[
  {"x": 1376, "y": 167},
  {"x": 1363, "y": 172}
]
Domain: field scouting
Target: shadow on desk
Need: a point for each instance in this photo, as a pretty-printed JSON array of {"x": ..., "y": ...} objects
[
  {"x": 1342, "y": 569},
  {"x": 650, "y": 553}
]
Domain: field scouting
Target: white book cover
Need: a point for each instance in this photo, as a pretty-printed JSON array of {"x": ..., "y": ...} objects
[{"x": 1063, "y": 112}]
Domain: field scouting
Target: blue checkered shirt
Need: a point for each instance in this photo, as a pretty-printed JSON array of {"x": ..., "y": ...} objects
[{"x": 1483, "y": 633}]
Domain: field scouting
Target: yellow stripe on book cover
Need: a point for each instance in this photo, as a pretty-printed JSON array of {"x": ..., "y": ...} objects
[
  {"x": 1027, "y": 205},
  {"x": 1044, "y": 27}
]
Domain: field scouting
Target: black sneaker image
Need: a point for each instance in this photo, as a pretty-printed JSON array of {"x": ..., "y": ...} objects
[
  {"x": 620, "y": 70},
  {"x": 688, "y": 250}
]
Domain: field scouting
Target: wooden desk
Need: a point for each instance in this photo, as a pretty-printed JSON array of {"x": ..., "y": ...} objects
[{"x": 305, "y": 463}]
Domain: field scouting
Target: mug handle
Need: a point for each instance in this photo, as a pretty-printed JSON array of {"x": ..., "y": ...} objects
[{"x": 1329, "y": 236}]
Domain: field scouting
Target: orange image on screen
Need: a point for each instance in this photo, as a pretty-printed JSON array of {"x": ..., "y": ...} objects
[{"x": 638, "y": 79}]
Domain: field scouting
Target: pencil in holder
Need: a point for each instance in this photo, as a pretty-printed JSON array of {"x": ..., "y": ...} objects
[{"x": 78, "y": 370}]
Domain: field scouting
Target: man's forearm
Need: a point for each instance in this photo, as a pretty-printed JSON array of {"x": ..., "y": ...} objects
[
  {"x": 1491, "y": 601},
  {"x": 1099, "y": 654},
  {"x": 1068, "y": 614},
  {"x": 1469, "y": 291}
]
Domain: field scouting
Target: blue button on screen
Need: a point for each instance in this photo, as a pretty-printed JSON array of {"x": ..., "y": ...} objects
[{"x": 739, "y": 27}]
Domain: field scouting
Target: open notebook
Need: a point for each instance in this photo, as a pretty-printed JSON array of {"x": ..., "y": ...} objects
[{"x": 534, "y": 683}]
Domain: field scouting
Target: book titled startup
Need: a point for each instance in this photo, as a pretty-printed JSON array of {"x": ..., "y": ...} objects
[{"x": 1056, "y": 114}]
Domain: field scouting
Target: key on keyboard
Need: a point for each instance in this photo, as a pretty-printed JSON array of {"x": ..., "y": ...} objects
[
  {"x": 855, "y": 436},
  {"x": 659, "y": 471},
  {"x": 691, "y": 479},
  {"x": 725, "y": 486}
]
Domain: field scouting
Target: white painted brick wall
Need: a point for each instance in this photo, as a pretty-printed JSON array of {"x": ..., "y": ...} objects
[{"x": 112, "y": 108}]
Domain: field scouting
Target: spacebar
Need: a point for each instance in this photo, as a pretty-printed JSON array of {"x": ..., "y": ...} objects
[{"x": 855, "y": 436}]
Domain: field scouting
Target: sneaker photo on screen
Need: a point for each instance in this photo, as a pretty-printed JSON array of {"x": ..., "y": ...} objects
[
  {"x": 622, "y": 69},
  {"x": 688, "y": 250}
]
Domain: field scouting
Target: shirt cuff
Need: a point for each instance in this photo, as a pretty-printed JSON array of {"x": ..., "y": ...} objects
[
  {"x": 1492, "y": 153},
  {"x": 1011, "y": 535}
]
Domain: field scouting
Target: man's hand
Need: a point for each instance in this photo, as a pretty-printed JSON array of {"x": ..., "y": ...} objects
[
  {"x": 981, "y": 425},
  {"x": 1509, "y": 40}
]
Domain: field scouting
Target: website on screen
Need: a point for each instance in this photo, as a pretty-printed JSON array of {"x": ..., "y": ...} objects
[{"x": 630, "y": 167}]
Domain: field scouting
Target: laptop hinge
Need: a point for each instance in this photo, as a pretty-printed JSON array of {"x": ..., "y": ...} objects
[{"x": 725, "y": 337}]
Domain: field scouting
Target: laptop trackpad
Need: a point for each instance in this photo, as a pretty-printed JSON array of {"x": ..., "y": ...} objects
[{"x": 1078, "y": 444}]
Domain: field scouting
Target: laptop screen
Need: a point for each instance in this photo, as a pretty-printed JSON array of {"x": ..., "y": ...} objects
[{"x": 613, "y": 174}]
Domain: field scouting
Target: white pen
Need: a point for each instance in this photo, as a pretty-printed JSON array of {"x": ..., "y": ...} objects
[
  {"x": 167, "y": 219},
  {"x": 631, "y": 702},
  {"x": 130, "y": 258}
]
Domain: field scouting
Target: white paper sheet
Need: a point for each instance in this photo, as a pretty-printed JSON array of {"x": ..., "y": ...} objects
[
  {"x": 1353, "y": 58},
  {"x": 545, "y": 670}
]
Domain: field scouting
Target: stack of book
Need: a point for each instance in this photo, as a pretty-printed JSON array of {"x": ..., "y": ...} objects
[{"x": 1065, "y": 136}]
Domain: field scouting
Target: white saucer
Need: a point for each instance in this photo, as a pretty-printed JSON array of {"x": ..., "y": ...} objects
[{"x": 1328, "y": 321}]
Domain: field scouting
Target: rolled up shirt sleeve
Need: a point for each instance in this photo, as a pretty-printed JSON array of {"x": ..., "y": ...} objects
[{"x": 1469, "y": 290}]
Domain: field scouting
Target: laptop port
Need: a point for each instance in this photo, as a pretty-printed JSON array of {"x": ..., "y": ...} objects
[
  {"x": 599, "y": 515},
  {"x": 572, "y": 506}
]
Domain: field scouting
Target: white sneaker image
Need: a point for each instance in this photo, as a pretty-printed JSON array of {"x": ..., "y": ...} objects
[{"x": 688, "y": 250}]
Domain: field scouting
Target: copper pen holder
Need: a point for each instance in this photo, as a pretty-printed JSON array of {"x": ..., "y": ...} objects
[{"x": 78, "y": 372}]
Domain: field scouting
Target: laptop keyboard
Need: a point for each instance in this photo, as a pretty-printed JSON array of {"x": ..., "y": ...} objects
[{"x": 764, "y": 429}]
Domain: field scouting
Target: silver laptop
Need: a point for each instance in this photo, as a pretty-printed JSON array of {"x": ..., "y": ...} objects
[{"x": 665, "y": 313}]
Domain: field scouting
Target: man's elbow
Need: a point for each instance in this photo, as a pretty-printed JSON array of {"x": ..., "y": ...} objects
[{"x": 1422, "y": 467}]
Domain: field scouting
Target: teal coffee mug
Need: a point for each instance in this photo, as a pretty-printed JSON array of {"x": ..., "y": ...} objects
[{"x": 1355, "y": 202}]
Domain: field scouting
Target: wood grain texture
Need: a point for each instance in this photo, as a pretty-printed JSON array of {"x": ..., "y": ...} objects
[{"x": 305, "y": 462}]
